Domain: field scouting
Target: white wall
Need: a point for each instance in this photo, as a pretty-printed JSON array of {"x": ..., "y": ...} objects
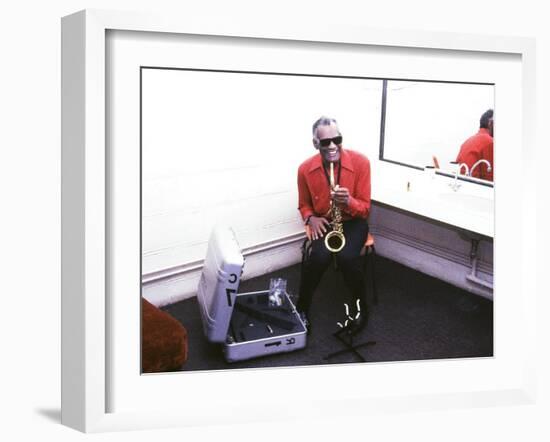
[
  {"x": 29, "y": 233},
  {"x": 225, "y": 147}
]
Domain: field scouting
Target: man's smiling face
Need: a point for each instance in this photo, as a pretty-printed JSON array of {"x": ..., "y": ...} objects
[{"x": 329, "y": 143}]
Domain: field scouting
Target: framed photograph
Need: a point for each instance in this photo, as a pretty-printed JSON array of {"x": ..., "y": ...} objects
[{"x": 173, "y": 128}]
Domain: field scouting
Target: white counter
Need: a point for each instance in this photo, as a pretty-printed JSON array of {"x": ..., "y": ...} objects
[{"x": 470, "y": 207}]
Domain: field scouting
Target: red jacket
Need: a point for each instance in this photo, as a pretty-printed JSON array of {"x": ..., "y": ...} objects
[
  {"x": 477, "y": 147},
  {"x": 314, "y": 192}
]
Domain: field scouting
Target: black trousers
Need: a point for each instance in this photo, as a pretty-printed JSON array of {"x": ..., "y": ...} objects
[{"x": 349, "y": 262}]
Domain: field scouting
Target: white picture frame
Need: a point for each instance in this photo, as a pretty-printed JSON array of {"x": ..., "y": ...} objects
[{"x": 86, "y": 211}]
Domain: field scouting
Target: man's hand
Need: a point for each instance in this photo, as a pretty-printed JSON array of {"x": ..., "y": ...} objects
[
  {"x": 318, "y": 226},
  {"x": 340, "y": 195}
]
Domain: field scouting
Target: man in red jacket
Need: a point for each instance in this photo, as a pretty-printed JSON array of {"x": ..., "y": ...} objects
[
  {"x": 352, "y": 195},
  {"x": 479, "y": 147}
]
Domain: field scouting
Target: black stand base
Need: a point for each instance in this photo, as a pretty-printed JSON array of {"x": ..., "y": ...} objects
[{"x": 346, "y": 338}]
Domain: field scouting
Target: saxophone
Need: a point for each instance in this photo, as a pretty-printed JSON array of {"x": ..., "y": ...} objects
[{"x": 335, "y": 240}]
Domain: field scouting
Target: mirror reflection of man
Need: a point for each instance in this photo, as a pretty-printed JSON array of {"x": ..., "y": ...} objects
[
  {"x": 352, "y": 195},
  {"x": 479, "y": 147}
]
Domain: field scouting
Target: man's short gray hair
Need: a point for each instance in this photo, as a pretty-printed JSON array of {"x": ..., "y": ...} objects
[{"x": 324, "y": 121}]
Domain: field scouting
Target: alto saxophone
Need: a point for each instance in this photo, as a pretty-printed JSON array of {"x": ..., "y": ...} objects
[{"x": 335, "y": 239}]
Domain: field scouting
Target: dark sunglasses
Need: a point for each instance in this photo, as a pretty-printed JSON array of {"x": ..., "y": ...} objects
[{"x": 326, "y": 141}]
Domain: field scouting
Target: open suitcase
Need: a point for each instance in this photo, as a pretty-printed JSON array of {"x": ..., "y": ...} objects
[{"x": 247, "y": 324}]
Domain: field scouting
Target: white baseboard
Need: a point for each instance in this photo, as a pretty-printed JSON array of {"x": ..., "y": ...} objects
[
  {"x": 433, "y": 249},
  {"x": 451, "y": 268},
  {"x": 176, "y": 286}
]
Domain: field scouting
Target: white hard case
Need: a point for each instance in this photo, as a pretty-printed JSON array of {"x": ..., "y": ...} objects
[{"x": 246, "y": 324}]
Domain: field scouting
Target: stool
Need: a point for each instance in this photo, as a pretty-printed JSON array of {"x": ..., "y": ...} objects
[{"x": 368, "y": 252}]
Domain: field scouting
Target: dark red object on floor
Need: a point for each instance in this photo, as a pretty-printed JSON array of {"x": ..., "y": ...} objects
[{"x": 163, "y": 340}]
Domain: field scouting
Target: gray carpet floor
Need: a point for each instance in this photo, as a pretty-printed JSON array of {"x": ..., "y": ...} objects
[{"x": 418, "y": 317}]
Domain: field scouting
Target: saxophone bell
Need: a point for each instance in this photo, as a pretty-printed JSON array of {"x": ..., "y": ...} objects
[{"x": 335, "y": 241}]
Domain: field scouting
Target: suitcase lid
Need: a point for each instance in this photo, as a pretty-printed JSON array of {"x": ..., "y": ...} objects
[{"x": 219, "y": 282}]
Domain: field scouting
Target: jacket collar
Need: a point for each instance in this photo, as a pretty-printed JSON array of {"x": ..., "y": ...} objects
[
  {"x": 482, "y": 130},
  {"x": 345, "y": 159}
]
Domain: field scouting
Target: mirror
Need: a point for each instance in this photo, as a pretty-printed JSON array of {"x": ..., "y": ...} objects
[{"x": 426, "y": 123}]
